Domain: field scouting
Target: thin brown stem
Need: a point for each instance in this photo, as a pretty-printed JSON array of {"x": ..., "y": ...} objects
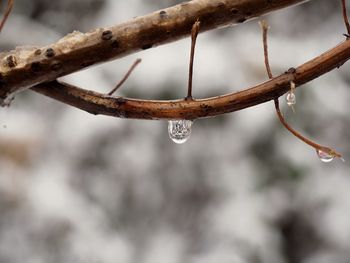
[
  {"x": 133, "y": 66},
  {"x": 265, "y": 28},
  {"x": 194, "y": 34},
  {"x": 6, "y": 14},
  {"x": 345, "y": 16},
  {"x": 316, "y": 146}
]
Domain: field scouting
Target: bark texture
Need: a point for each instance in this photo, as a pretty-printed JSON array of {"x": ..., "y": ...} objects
[
  {"x": 97, "y": 103},
  {"x": 26, "y": 67}
]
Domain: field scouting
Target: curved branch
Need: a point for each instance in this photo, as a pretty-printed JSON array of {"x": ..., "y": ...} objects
[
  {"x": 6, "y": 14},
  {"x": 316, "y": 146},
  {"x": 23, "y": 68},
  {"x": 97, "y": 103}
]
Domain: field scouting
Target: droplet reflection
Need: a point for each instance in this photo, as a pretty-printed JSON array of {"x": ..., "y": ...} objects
[
  {"x": 324, "y": 156},
  {"x": 291, "y": 99},
  {"x": 179, "y": 130}
]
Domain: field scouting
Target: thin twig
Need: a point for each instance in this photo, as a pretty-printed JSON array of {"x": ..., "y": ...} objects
[
  {"x": 345, "y": 16},
  {"x": 316, "y": 146},
  {"x": 133, "y": 66},
  {"x": 325, "y": 149},
  {"x": 6, "y": 14},
  {"x": 194, "y": 34},
  {"x": 265, "y": 28}
]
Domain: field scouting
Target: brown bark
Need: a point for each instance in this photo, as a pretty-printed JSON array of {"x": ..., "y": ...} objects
[
  {"x": 23, "y": 68},
  {"x": 97, "y": 103}
]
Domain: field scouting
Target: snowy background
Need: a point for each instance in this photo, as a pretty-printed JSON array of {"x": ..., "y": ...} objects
[{"x": 78, "y": 188}]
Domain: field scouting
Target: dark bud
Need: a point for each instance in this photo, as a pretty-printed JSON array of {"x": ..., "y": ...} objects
[
  {"x": 36, "y": 67},
  {"x": 234, "y": 11},
  {"x": 163, "y": 14},
  {"x": 50, "y": 53},
  {"x": 146, "y": 46},
  {"x": 115, "y": 44},
  {"x": 107, "y": 35},
  {"x": 11, "y": 61}
]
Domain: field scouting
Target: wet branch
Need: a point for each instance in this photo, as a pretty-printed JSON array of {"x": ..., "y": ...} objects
[
  {"x": 127, "y": 75},
  {"x": 97, "y": 103},
  {"x": 194, "y": 34},
  {"x": 316, "y": 146},
  {"x": 78, "y": 51}
]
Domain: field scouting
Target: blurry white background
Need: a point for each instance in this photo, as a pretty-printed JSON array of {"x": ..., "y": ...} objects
[{"x": 79, "y": 188}]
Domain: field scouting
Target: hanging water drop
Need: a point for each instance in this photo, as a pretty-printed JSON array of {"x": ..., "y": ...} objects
[
  {"x": 291, "y": 99},
  {"x": 179, "y": 130},
  {"x": 324, "y": 156}
]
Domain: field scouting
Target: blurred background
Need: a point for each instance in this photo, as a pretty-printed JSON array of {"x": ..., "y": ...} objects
[{"x": 78, "y": 188}]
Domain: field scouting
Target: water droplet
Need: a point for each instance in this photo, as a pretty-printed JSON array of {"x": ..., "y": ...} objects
[
  {"x": 324, "y": 156},
  {"x": 291, "y": 99},
  {"x": 180, "y": 130}
]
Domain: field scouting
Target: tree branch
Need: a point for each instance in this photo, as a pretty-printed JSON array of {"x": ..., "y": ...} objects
[
  {"x": 194, "y": 34},
  {"x": 265, "y": 28},
  {"x": 345, "y": 17},
  {"x": 6, "y": 14},
  {"x": 97, "y": 103},
  {"x": 23, "y": 68},
  {"x": 127, "y": 75},
  {"x": 316, "y": 146},
  {"x": 331, "y": 153}
]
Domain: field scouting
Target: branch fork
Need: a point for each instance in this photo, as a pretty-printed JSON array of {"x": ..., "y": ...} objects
[
  {"x": 42, "y": 66},
  {"x": 327, "y": 151},
  {"x": 76, "y": 51}
]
